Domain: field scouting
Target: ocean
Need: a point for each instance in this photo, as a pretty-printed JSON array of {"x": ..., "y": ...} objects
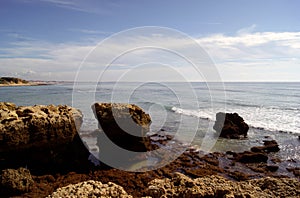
[{"x": 187, "y": 110}]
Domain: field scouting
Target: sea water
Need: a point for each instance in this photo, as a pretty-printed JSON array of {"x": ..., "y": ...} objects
[{"x": 187, "y": 110}]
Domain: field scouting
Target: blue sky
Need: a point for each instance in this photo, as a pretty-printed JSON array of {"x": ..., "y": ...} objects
[{"x": 246, "y": 40}]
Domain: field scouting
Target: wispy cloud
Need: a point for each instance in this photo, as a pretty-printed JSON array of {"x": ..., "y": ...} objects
[
  {"x": 89, "y": 6},
  {"x": 247, "y": 55},
  {"x": 89, "y": 31}
]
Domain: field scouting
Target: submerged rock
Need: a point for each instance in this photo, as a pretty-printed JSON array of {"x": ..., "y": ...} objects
[
  {"x": 124, "y": 124},
  {"x": 40, "y": 137},
  {"x": 230, "y": 125},
  {"x": 16, "y": 181},
  {"x": 269, "y": 146}
]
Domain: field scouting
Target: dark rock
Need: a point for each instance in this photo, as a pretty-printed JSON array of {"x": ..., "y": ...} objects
[
  {"x": 124, "y": 124},
  {"x": 16, "y": 181},
  {"x": 269, "y": 146},
  {"x": 251, "y": 157},
  {"x": 230, "y": 125},
  {"x": 272, "y": 168},
  {"x": 43, "y": 138},
  {"x": 294, "y": 170}
]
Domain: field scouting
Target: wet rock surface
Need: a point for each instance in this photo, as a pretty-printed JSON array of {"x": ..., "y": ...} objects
[{"x": 230, "y": 125}]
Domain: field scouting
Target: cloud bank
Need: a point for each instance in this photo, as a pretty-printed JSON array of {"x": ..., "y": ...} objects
[{"x": 244, "y": 56}]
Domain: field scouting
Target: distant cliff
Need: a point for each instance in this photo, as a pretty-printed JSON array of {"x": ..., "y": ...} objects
[{"x": 12, "y": 81}]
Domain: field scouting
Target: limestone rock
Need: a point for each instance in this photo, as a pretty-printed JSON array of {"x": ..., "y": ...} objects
[
  {"x": 230, "y": 125},
  {"x": 16, "y": 181},
  {"x": 217, "y": 186},
  {"x": 40, "y": 136},
  {"x": 90, "y": 189},
  {"x": 125, "y": 124},
  {"x": 40, "y": 125}
]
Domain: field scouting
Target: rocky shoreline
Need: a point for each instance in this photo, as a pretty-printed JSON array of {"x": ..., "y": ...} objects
[{"x": 42, "y": 154}]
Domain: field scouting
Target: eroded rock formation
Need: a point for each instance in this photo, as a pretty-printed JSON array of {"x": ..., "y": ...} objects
[
  {"x": 16, "y": 181},
  {"x": 40, "y": 137},
  {"x": 217, "y": 186},
  {"x": 124, "y": 124},
  {"x": 90, "y": 189}
]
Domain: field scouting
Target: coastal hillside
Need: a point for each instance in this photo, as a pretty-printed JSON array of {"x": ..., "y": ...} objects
[{"x": 12, "y": 81}]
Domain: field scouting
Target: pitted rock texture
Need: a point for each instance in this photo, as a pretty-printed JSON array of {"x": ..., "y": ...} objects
[
  {"x": 217, "y": 186},
  {"x": 41, "y": 137},
  {"x": 90, "y": 189},
  {"x": 16, "y": 181},
  {"x": 39, "y": 125}
]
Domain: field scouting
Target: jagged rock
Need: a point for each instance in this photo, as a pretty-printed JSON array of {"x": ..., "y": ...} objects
[
  {"x": 40, "y": 136},
  {"x": 230, "y": 125},
  {"x": 217, "y": 186},
  {"x": 90, "y": 189},
  {"x": 16, "y": 181},
  {"x": 125, "y": 124}
]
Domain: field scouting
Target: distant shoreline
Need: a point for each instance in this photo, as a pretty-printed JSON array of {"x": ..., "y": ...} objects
[
  {"x": 26, "y": 84},
  {"x": 12, "y": 82}
]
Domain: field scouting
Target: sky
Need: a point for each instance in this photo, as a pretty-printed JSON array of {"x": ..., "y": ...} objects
[{"x": 131, "y": 40}]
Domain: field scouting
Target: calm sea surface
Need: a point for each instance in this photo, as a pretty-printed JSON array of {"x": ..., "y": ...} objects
[{"x": 186, "y": 109}]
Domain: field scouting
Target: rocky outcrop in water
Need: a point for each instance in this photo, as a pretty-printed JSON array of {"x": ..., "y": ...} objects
[
  {"x": 124, "y": 124},
  {"x": 230, "y": 125},
  {"x": 40, "y": 137},
  {"x": 269, "y": 146}
]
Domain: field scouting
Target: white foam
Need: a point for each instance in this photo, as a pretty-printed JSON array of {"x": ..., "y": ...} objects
[
  {"x": 272, "y": 119},
  {"x": 194, "y": 113}
]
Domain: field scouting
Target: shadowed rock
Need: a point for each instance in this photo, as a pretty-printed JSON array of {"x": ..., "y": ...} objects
[
  {"x": 40, "y": 137},
  {"x": 251, "y": 157},
  {"x": 16, "y": 181},
  {"x": 269, "y": 146},
  {"x": 124, "y": 124},
  {"x": 230, "y": 125}
]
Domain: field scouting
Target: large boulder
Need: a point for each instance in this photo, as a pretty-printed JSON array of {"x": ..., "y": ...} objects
[
  {"x": 230, "y": 125},
  {"x": 40, "y": 137},
  {"x": 124, "y": 124}
]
